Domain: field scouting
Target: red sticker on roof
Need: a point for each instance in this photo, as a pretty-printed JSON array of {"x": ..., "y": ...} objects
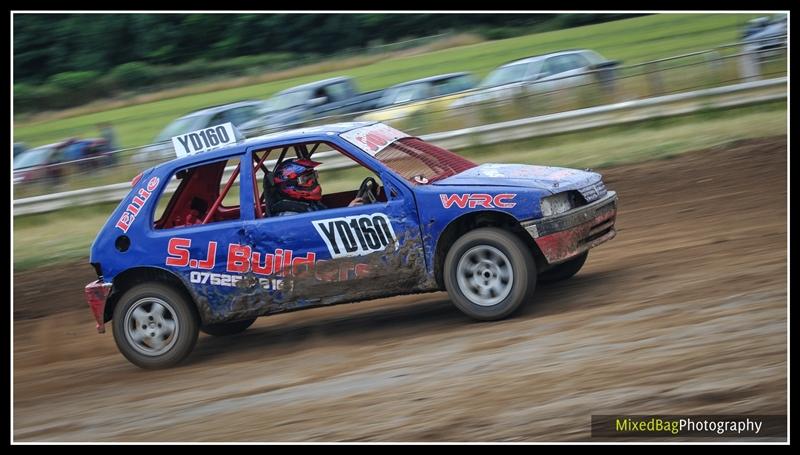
[{"x": 374, "y": 138}]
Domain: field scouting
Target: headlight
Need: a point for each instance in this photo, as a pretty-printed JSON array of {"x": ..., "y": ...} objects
[{"x": 556, "y": 204}]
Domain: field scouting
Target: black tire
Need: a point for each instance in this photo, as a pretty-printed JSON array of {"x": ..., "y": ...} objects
[
  {"x": 168, "y": 347},
  {"x": 463, "y": 290},
  {"x": 564, "y": 270},
  {"x": 227, "y": 328}
]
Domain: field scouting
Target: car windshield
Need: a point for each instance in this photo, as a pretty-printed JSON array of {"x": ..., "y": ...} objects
[
  {"x": 505, "y": 75},
  {"x": 420, "y": 162},
  {"x": 285, "y": 100},
  {"x": 180, "y": 126},
  {"x": 35, "y": 157}
]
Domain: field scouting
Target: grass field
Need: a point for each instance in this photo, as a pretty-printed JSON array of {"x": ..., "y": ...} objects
[
  {"x": 630, "y": 41},
  {"x": 67, "y": 234}
]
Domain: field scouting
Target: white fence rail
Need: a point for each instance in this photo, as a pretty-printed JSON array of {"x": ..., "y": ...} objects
[{"x": 607, "y": 115}]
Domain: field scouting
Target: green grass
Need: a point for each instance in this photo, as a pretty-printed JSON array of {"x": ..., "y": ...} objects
[
  {"x": 631, "y": 41},
  {"x": 647, "y": 140},
  {"x": 67, "y": 234}
]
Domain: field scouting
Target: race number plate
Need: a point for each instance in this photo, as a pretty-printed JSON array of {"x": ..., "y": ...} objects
[{"x": 204, "y": 140}]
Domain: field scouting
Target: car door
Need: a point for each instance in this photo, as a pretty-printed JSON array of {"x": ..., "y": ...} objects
[
  {"x": 196, "y": 228},
  {"x": 339, "y": 254}
]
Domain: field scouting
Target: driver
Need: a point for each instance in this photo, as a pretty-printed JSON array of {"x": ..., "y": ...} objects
[{"x": 297, "y": 190}]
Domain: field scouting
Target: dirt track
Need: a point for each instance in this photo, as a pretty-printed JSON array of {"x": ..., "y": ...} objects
[{"x": 684, "y": 312}]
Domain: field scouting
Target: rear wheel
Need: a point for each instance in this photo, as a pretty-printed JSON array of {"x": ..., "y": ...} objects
[
  {"x": 155, "y": 326},
  {"x": 227, "y": 328},
  {"x": 489, "y": 273},
  {"x": 564, "y": 270}
]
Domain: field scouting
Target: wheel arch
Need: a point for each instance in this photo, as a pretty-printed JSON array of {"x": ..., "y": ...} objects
[
  {"x": 472, "y": 220},
  {"x": 146, "y": 274}
]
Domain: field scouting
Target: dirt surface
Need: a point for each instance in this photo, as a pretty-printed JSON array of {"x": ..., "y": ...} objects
[{"x": 684, "y": 312}]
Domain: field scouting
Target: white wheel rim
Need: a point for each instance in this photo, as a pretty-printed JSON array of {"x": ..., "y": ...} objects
[
  {"x": 151, "y": 327},
  {"x": 485, "y": 275}
]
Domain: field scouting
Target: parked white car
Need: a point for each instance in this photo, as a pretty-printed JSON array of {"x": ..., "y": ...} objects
[{"x": 541, "y": 73}]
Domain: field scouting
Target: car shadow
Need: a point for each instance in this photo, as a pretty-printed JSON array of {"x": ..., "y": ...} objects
[
  {"x": 353, "y": 326},
  {"x": 580, "y": 291},
  {"x": 385, "y": 322}
]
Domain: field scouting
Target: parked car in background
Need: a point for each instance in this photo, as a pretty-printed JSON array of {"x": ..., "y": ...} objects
[
  {"x": 429, "y": 87},
  {"x": 35, "y": 164},
  {"x": 542, "y": 73},
  {"x": 235, "y": 113},
  {"x": 765, "y": 34},
  {"x": 338, "y": 95},
  {"x": 435, "y": 92},
  {"x": 19, "y": 147}
]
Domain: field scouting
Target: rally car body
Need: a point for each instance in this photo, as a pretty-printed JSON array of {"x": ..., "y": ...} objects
[{"x": 238, "y": 262}]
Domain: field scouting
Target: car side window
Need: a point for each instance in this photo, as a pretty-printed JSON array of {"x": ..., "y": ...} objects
[
  {"x": 534, "y": 70},
  {"x": 578, "y": 61},
  {"x": 322, "y": 92},
  {"x": 337, "y": 91},
  {"x": 464, "y": 82},
  {"x": 568, "y": 63},
  {"x": 547, "y": 67},
  {"x": 443, "y": 87},
  {"x": 202, "y": 194},
  {"x": 403, "y": 94},
  {"x": 338, "y": 189},
  {"x": 556, "y": 65},
  {"x": 57, "y": 156},
  {"x": 448, "y": 86},
  {"x": 426, "y": 90},
  {"x": 241, "y": 115}
]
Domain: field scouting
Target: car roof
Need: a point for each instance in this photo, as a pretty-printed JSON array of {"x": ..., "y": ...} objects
[
  {"x": 298, "y": 134},
  {"x": 432, "y": 79},
  {"x": 222, "y": 107},
  {"x": 54, "y": 144},
  {"x": 316, "y": 84},
  {"x": 542, "y": 56}
]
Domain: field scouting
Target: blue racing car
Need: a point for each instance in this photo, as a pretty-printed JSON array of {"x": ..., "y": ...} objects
[{"x": 199, "y": 243}]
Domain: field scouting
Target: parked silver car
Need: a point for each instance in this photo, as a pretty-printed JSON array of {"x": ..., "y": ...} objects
[
  {"x": 540, "y": 74},
  {"x": 296, "y": 105}
]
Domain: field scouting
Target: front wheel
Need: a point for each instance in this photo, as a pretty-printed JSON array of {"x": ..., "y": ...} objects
[
  {"x": 227, "y": 328},
  {"x": 155, "y": 326},
  {"x": 489, "y": 273},
  {"x": 564, "y": 270}
]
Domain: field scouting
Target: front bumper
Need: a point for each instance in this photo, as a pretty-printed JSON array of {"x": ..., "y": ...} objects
[
  {"x": 561, "y": 237},
  {"x": 96, "y": 295}
]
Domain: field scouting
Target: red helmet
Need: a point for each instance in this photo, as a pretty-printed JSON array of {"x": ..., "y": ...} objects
[{"x": 297, "y": 179}]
